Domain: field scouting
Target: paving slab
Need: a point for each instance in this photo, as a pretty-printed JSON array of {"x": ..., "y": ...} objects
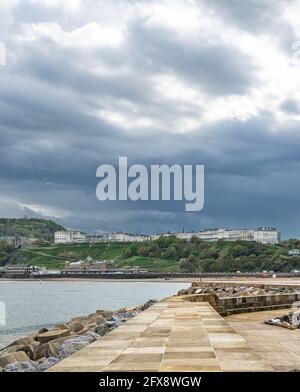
[
  {"x": 279, "y": 347},
  {"x": 170, "y": 336}
]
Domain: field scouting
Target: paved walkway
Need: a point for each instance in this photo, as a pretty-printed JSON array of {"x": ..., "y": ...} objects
[
  {"x": 280, "y": 347},
  {"x": 169, "y": 336},
  {"x": 265, "y": 281}
]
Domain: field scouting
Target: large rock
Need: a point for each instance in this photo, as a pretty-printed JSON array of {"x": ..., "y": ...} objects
[
  {"x": 11, "y": 349},
  {"x": 102, "y": 329},
  {"x": 70, "y": 346},
  {"x": 90, "y": 327},
  {"x": 51, "y": 335},
  {"x": 52, "y": 349},
  {"x": 127, "y": 315},
  {"x": 23, "y": 366},
  {"x": 99, "y": 320},
  {"x": 61, "y": 326},
  {"x": 105, "y": 313},
  {"x": 64, "y": 338},
  {"x": 23, "y": 341},
  {"x": 95, "y": 336},
  {"x": 76, "y": 326},
  {"x": 43, "y": 330},
  {"x": 47, "y": 363},
  {"x": 13, "y": 357},
  {"x": 39, "y": 351},
  {"x": 148, "y": 304},
  {"x": 30, "y": 349},
  {"x": 49, "y": 349}
]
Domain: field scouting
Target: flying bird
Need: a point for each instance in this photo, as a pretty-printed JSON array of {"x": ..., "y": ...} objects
[{"x": 45, "y": 179}]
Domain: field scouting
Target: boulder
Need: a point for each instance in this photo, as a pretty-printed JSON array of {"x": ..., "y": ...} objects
[
  {"x": 70, "y": 346},
  {"x": 130, "y": 308},
  {"x": 105, "y": 313},
  {"x": 90, "y": 326},
  {"x": 63, "y": 339},
  {"x": 23, "y": 341},
  {"x": 61, "y": 326},
  {"x": 52, "y": 349},
  {"x": 94, "y": 335},
  {"x": 99, "y": 320},
  {"x": 47, "y": 363},
  {"x": 30, "y": 349},
  {"x": 23, "y": 366},
  {"x": 11, "y": 349},
  {"x": 127, "y": 315},
  {"x": 76, "y": 326},
  {"x": 19, "y": 356},
  {"x": 114, "y": 323},
  {"x": 43, "y": 330},
  {"x": 45, "y": 350},
  {"x": 86, "y": 329},
  {"x": 39, "y": 351},
  {"x": 51, "y": 335},
  {"x": 148, "y": 304},
  {"x": 102, "y": 329}
]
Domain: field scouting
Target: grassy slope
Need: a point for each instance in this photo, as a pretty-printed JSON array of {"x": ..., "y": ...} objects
[
  {"x": 55, "y": 256},
  {"x": 208, "y": 257},
  {"x": 150, "y": 264}
]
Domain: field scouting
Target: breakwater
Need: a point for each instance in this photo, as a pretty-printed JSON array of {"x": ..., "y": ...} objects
[{"x": 45, "y": 348}]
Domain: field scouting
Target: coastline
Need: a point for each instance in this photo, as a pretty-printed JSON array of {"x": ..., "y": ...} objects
[
  {"x": 151, "y": 280},
  {"x": 33, "y": 304},
  {"x": 272, "y": 281},
  {"x": 42, "y": 349}
]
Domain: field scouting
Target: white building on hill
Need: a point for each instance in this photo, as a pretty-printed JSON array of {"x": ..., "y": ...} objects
[
  {"x": 75, "y": 237},
  {"x": 294, "y": 252},
  {"x": 265, "y": 235},
  {"x": 69, "y": 237}
]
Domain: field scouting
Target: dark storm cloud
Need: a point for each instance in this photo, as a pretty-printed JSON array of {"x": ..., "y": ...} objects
[
  {"x": 215, "y": 68},
  {"x": 60, "y": 66}
]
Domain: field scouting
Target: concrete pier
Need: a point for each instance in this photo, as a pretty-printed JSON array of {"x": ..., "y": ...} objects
[{"x": 169, "y": 336}]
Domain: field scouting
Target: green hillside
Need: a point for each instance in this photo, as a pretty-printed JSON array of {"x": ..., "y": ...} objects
[
  {"x": 6, "y": 251},
  {"x": 55, "y": 256},
  {"x": 36, "y": 228},
  {"x": 149, "y": 264},
  {"x": 219, "y": 256},
  {"x": 172, "y": 254}
]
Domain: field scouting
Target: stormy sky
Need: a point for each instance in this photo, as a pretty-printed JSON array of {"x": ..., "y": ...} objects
[{"x": 159, "y": 81}]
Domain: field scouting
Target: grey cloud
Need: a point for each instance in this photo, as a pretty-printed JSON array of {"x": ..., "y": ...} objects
[
  {"x": 291, "y": 106},
  {"x": 216, "y": 68},
  {"x": 48, "y": 100},
  {"x": 253, "y": 15}
]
